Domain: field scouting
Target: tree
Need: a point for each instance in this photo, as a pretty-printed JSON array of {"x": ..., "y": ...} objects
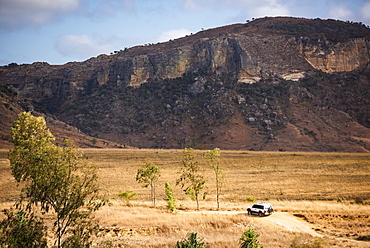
[
  {"x": 191, "y": 180},
  {"x": 214, "y": 157},
  {"x": 171, "y": 201},
  {"x": 148, "y": 175},
  {"x": 249, "y": 240},
  {"x": 55, "y": 178},
  {"x": 191, "y": 241},
  {"x": 22, "y": 229}
]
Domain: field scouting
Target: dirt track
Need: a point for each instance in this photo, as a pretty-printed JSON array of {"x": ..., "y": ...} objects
[
  {"x": 282, "y": 219},
  {"x": 289, "y": 222}
]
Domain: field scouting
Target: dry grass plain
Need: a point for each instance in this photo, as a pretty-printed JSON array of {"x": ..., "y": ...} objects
[{"x": 305, "y": 185}]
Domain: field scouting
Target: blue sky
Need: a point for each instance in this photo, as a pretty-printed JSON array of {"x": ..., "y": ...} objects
[{"x": 60, "y": 31}]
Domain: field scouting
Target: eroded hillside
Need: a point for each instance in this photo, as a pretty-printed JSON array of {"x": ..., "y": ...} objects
[{"x": 270, "y": 84}]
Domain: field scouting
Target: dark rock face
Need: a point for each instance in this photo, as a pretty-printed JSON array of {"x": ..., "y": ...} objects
[{"x": 275, "y": 83}]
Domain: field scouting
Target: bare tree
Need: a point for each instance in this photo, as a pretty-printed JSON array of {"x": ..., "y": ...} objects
[{"x": 214, "y": 157}]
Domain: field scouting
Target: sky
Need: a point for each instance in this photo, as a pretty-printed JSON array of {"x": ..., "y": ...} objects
[{"x": 61, "y": 31}]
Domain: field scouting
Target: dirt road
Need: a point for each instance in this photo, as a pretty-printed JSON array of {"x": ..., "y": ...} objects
[
  {"x": 289, "y": 222},
  {"x": 282, "y": 219}
]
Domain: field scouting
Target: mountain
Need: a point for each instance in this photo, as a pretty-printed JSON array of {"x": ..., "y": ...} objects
[
  {"x": 11, "y": 105},
  {"x": 269, "y": 84}
]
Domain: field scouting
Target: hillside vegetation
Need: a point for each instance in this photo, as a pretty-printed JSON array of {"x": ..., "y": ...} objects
[{"x": 270, "y": 84}]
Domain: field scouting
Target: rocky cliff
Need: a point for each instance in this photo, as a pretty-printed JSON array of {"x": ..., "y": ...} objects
[{"x": 274, "y": 83}]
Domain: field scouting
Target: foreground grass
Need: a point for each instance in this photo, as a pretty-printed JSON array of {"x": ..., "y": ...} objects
[
  {"x": 301, "y": 183},
  {"x": 223, "y": 229}
]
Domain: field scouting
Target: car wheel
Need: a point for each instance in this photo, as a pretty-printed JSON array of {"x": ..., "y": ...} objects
[
  {"x": 260, "y": 214},
  {"x": 249, "y": 212}
]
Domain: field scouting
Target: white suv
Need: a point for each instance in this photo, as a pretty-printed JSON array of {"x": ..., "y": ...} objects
[{"x": 261, "y": 209}]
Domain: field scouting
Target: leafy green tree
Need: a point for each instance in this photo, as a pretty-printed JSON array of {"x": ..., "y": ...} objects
[
  {"x": 171, "y": 201},
  {"x": 22, "y": 229},
  {"x": 191, "y": 180},
  {"x": 191, "y": 241},
  {"x": 55, "y": 178},
  {"x": 249, "y": 240},
  {"x": 214, "y": 157},
  {"x": 148, "y": 175}
]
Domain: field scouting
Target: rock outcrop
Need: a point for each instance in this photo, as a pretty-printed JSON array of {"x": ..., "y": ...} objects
[
  {"x": 247, "y": 50},
  {"x": 337, "y": 57},
  {"x": 221, "y": 62}
]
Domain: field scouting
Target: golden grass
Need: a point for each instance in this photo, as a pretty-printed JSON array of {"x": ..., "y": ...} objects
[
  {"x": 218, "y": 230},
  {"x": 264, "y": 175},
  {"x": 306, "y": 183}
]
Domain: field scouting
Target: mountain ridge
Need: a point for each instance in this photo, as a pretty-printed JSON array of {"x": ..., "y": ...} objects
[{"x": 250, "y": 86}]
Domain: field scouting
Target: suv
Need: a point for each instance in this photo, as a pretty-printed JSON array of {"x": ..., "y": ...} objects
[{"x": 261, "y": 209}]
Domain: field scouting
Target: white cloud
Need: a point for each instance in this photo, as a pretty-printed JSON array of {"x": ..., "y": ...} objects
[
  {"x": 340, "y": 12},
  {"x": 81, "y": 46},
  {"x": 270, "y": 8},
  {"x": 365, "y": 11},
  {"x": 173, "y": 34},
  {"x": 245, "y": 8},
  {"x": 19, "y": 13}
]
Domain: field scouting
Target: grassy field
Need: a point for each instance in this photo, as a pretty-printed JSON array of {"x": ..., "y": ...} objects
[
  {"x": 264, "y": 175},
  {"x": 307, "y": 184}
]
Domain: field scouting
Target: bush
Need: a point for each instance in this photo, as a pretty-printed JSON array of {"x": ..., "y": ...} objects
[
  {"x": 21, "y": 229},
  {"x": 171, "y": 201},
  {"x": 191, "y": 241},
  {"x": 249, "y": 240},
  {"x": 127, "y": 196},
  {"x": 251, "y": 199}
]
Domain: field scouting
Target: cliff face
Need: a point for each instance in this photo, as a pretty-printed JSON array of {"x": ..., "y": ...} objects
[
  {"x": 218, "y": 65},
  {"x": 250, "y": 51},
  {"x": 339, "y": 57},
  {"x": 249, "y": 56}
]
